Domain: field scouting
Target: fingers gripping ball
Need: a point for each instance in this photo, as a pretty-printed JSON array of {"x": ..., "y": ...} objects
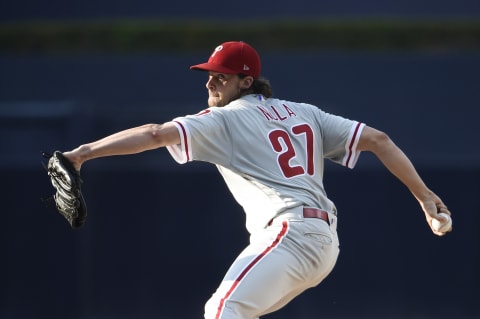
[
  {"x": 68, "y": 197},
  {"x": 444, "y": 225}
]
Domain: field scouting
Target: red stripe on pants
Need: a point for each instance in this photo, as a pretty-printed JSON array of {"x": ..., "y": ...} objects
[{"x": 257, "y": 259}]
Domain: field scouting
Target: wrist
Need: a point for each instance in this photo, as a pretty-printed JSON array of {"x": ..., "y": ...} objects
[{"x": 78, "y": 156}]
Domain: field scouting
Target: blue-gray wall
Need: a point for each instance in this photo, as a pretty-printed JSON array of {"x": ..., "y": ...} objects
[
  {"x": 16, "y": 10},
  {"x": 159, "y": 235}
]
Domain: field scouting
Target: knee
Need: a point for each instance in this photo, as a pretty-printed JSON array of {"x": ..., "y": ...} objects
[{"x": 228, "y": 309}]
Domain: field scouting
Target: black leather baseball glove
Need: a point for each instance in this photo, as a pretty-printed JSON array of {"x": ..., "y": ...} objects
[{"x": 68, "y": 197}]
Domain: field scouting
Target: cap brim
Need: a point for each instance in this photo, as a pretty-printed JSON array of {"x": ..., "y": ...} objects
[{"x": 212, "y": 67}]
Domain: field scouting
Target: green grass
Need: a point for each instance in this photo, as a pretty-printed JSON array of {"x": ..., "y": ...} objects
[{"x": 177, "y": 35}]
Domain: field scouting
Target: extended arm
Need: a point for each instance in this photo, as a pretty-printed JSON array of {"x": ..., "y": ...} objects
[
  {"x": 130, "y": 141},
  {"x": 399, "y": 165}
]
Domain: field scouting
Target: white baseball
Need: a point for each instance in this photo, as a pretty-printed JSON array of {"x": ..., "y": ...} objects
[{"x": 442, "y": 227}]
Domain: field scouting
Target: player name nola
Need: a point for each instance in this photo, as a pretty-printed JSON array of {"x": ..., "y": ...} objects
[{"x": 277, "y": 115}]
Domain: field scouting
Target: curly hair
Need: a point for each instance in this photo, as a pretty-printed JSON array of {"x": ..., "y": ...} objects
[{"x": 260, "y": 85}]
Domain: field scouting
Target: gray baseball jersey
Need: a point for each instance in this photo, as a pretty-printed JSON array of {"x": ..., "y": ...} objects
[{"x": 270, "y": 152}]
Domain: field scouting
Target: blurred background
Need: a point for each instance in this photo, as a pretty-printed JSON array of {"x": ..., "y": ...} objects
[{"x": 159, "y": 236}]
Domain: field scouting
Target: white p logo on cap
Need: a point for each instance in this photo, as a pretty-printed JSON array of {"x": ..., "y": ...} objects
[{"x": 217, "y": 49}]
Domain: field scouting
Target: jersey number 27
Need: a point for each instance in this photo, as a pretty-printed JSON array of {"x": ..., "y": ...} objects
[{"x": 287, "y": 152}]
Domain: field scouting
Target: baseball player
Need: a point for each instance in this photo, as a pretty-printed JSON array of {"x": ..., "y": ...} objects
[{"x": 271, "y": 154}]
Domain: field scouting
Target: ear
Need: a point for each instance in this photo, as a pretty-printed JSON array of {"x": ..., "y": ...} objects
[{"x": 246, "y": 82}]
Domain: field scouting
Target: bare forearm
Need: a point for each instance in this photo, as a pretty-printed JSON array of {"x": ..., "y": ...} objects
[
  {"x": 395, "y": 160},
  {"x": 399, "y": 165},
  {"x": 130, "y": 141}
]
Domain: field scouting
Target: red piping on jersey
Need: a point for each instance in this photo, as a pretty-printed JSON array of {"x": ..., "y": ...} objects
[
  {"x": 354, "y": 137},
  {"x": 237, "y": 281},
  {"x": 185, "y": 141}
]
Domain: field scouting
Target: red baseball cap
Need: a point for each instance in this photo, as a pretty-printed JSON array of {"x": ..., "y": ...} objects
[{"x": 232, "y": 58}]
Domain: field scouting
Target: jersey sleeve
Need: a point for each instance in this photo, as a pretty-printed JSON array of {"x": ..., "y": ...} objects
[
  {"x": 204, "y": 137},
  {"x": 180, "y": 152},
  {"x": 340, "y": 139}
]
